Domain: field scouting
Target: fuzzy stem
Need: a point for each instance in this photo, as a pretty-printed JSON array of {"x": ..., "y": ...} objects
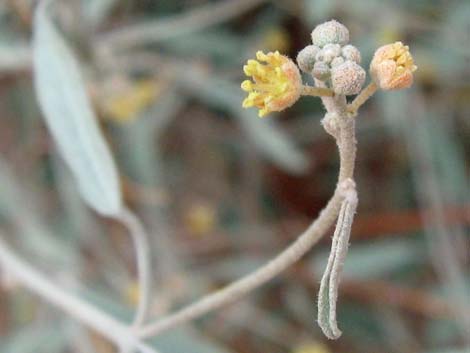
[
  {"x": 316, "y": 91},
  {"x": 87, "y": 314},
  {"x": 346, "y": 137},
  {"x": 142, "y": 250},
  {"x": 362, "y": 97},
  {"x": 234, "y": 291}
]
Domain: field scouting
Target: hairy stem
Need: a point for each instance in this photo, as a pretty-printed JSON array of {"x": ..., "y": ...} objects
[
  {"x": 142, "y": 250},
  {"x": 317, "y": 91},
  {"x": 347, "y": 150},
  {"x": 82, "y": 311},
  {"x": 362, "y": 97}
]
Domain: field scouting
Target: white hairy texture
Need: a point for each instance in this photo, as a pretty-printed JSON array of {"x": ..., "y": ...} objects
[
  {"x": 337, "y": 61},
  {"x": 331, "y": 32},
  {"x": 328, "y": 294},
  {"x": 347, "y": 78},
  {"x": 321, "y": 71},
  {"x": 306, "y": 58},
  {"x": 350, "y": 52},
  {"x": 331, "y": 124}
]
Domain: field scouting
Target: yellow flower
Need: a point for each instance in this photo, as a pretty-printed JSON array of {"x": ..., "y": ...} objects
[
  {"x": 276, "y": 39},
  {"x": 125, "y": 105},
  {"x": 277, "y": 83},
  {"x": 132, "y": 293},
  {"x": 392, "y": 66},
  {"x": 201, "y": 219}
]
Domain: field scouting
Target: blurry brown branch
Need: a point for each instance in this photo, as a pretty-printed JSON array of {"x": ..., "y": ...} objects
[
  {"x": 403, "y": 222},
  {"x": 191, "y": 21},
  {"x": 414, "y": 300}
]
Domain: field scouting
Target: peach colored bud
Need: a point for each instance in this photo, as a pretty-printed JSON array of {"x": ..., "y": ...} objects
[{"x": 392, "y": 67}]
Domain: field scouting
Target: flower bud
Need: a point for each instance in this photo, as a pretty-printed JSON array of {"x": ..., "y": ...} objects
[
  {"x": 350, "y": 52},
  {"x": 337, "y": 61},
  {"x": 333, "y": 50},
  {"x": 321, "y": 71},
  {"x": 331, "y": 32},
  {"x": 392, "y": 67},
  {"x": 328, "y": 53},
  {"x": 306, "y": 58},
  {"x": 347, "y": 78}
]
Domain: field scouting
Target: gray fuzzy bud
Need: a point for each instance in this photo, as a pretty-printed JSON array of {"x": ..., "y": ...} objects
[
  {"x": 331, "y": 32},
  {"x": 321, "y": 71},
  {"x": 328, "y": 53},
  {"x": 320, "y": 57},
  {"x": 337, "y": 61},
  {"x": 306, "y": 58},
  {"x": 332, "y": 49},
  {"x": 350, "y": 52},
  {"x": 347, "y": 78}
]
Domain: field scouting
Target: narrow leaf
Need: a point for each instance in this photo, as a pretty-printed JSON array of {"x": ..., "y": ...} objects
[
  {"x": 328, "y": 294},
  {"x": 62, "y": 96}
]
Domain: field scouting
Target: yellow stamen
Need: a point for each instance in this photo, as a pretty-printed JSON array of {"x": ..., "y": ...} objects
[{"x": 275, "y": 84}]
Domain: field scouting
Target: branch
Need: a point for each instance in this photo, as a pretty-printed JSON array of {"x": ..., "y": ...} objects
[
  {"x": 362, "y": 98},
  {"x": 189, "y": 22},
  {"x": 347, "y": 151},
  {"x": 142, "y": 251},
  {"x": 317, "y": 91},
  {"x": 87, "y": 314}
]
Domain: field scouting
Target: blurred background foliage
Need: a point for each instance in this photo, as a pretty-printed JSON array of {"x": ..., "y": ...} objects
[{"x": 222, "y": 191}]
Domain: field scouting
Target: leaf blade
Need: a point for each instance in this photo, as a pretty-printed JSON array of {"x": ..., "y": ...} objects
[{"x": 67, "y": 110}]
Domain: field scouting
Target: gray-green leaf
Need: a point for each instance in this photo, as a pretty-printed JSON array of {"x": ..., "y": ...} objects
[
  {"x": 328, "y": 293},
  {"x": 62, "y": 96}
]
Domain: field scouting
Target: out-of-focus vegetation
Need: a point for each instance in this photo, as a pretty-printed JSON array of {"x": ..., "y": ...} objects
[{"x": 221, "y": 191}]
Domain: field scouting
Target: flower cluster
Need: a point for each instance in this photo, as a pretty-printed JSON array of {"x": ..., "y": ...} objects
[
  {"x": 331, "y": 58},
  {"x": 335, "y": 66},
  {"x": 276, "y": 83}
]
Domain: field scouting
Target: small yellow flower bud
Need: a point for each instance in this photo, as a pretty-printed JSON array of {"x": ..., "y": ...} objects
[
  {"x": 392, "y": 67},
  {"x": 277, "y": 83}
]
